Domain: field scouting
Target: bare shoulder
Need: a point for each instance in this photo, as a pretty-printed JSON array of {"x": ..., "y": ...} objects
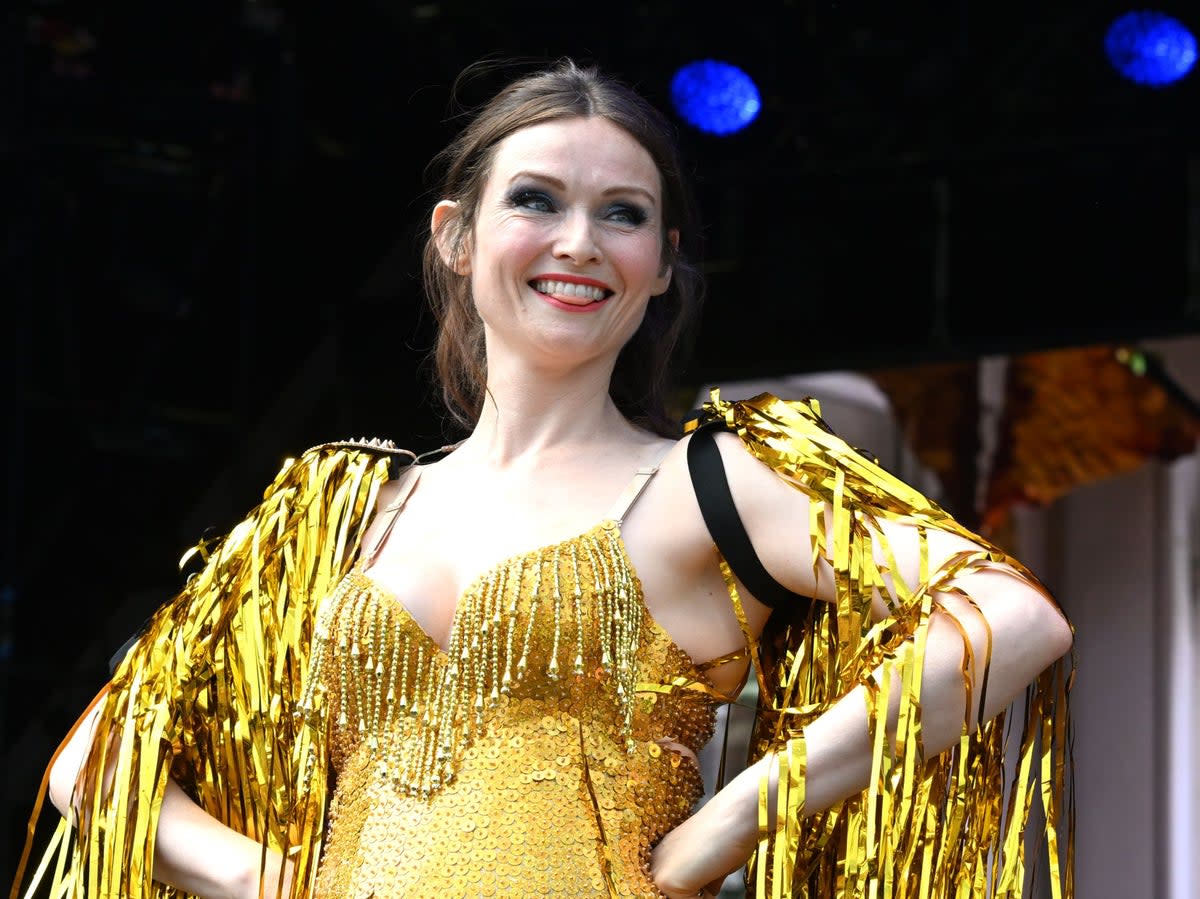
[
  {"x": 387, "y": 495},
  {"x": 389, "y": 492},
  {"x": 774, "y": 513},
  {"x": 668, "y": 515},
  {"x": 673, "y": 552},
  {"x": 751, "y": 482},
  {"x": 763, "y": 498}
]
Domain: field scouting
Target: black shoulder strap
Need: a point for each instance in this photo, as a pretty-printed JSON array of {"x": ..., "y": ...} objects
[
  {"x": 725, "y": 525},
  {"x": 119, "y": 656}
]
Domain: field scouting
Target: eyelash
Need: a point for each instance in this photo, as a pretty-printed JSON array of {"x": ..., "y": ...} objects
[
  {"x": 635, "y": 215},
  {"x": 525, "y": 198}
]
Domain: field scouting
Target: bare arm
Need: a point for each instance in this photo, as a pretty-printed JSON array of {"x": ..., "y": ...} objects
[
  {"x": 193, "y": 850},
  {"x": 1027, "y": 635},
  {"x": 838, "y": 755}
]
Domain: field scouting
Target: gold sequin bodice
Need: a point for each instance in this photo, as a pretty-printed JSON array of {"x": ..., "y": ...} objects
[{"x": 525, "y": 758}]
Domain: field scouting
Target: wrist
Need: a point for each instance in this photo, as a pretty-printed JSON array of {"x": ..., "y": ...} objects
[
  {"x": 244, "y": 880},
  {"x": 246, "y": 877},
  {"x": 735, "y": 806}
]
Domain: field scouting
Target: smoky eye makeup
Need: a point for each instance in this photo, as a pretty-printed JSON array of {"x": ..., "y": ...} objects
[
  {"x": 627, "y": 214},
  {"x": 531, "y": 198}
]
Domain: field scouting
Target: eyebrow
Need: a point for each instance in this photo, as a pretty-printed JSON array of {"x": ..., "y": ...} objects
[{"x": 555, "y": 182}]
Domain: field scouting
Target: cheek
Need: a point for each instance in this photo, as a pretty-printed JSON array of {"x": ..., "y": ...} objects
[
  {"x": 643, "y": 261},
  {"x": 509, "y": 247}
]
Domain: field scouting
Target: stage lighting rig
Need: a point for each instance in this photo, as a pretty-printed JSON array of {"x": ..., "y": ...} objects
[
  {"x": 716, "y": 97},
  {"x": 1150, "y": 48}
]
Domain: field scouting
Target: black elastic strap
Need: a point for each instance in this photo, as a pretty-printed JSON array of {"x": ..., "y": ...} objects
[
  {"x": 725, "y": 525},
  {"x": 119, "y": 656}
]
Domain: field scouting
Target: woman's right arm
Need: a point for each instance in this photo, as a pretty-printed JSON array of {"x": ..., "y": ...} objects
[{"x": 193, "y": 851}]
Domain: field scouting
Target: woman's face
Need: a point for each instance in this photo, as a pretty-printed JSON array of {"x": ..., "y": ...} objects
[{"x": 567, "y": 251}]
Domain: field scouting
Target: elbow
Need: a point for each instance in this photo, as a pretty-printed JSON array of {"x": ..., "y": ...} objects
[
  {"x": 1048, "y": 631},
  {"x": 62, "y": 783},
  {"x": 65, "y": 771},
  {"x": 68, "y": 763},
  {"x": 1033, "y": 625},
  {"x": 1060, "y": 634}
]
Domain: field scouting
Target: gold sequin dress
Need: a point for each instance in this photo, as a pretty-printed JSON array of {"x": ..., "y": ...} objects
[
  {"x": 217, "y": 695},
  {"x": 525, "y": 758}
]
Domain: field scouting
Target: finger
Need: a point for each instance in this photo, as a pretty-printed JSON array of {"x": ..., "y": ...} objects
[{"x": 669, "y": 744}]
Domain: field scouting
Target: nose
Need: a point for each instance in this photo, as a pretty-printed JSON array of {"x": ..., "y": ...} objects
[{"x": 576, "y": 240}]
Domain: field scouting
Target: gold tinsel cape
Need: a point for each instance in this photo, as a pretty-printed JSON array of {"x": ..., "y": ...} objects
[{"x": 210, "y": 693}]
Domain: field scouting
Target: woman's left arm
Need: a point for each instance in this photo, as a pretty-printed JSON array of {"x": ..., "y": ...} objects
[{"x": 1007, "y": 620}]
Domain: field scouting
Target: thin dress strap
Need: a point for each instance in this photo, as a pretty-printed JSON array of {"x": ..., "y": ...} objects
[
  {"x": 377, "y": 538},
  {"x": 632, "y": 491}
]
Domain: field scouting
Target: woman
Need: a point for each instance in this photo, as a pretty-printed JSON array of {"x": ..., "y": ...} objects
[{"x": 490, "y": 674}]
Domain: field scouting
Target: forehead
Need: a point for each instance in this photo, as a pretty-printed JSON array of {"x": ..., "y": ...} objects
[{"x": 586, "y": 152}]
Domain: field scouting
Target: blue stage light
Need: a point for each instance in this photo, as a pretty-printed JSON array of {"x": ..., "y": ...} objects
[
  {"x": 714, "y": 96},
  {"x": 1150, "y": 48}
]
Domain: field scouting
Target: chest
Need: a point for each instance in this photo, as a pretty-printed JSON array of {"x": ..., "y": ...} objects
[
  {"x": 436, "y": 537},
  {"x": 452, "y": 530},
  {"x": 435, "y": 565},
  {"x": 562, "y": 625}
]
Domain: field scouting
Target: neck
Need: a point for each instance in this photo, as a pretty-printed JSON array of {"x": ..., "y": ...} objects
[{"x": 531, "y": 414}]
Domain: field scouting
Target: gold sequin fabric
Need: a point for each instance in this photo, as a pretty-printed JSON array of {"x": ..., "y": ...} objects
[{"x": 525, "y": 758}]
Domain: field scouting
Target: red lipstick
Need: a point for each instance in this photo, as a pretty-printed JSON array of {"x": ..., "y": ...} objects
[{"x": 565, "y": 303}]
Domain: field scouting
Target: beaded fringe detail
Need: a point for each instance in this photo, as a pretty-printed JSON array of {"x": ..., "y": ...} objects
[{"x": 417, "y": 706}]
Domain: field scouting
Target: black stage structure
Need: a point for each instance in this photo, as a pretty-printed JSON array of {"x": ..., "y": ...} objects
[{"x": 213, "y": 211}]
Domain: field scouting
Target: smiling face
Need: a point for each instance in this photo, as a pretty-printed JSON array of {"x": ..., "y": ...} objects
[{"x": 566, "y": 249}]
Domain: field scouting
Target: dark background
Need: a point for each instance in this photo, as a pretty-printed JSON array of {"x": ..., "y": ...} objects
[{"x": 212, "y": 217}]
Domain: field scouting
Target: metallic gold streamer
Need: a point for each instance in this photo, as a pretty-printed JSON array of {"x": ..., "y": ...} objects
[
  {"x": 924, "y": 828},
  {"x": 209, "y": 694}
]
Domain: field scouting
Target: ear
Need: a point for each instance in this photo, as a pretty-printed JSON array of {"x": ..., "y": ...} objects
[
  {"x": 664, "y": 273},
  {"x": 446, "y": 225}
]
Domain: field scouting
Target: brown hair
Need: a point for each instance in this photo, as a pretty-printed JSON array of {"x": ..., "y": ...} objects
[{"x": 640, "y": 379}]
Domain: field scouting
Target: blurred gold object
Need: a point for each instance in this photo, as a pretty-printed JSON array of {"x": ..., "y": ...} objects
[
  {"x": 1075, "y": 416},
  {"x": 937, "y": 409}
]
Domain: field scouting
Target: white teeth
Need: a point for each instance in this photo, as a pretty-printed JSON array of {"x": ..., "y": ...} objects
[{"x": 566, "y": 289}]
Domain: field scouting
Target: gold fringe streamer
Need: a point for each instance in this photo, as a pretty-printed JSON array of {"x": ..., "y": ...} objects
[
  {"x": 209, "y": 694},
  {"x": 925, "y": 828}
]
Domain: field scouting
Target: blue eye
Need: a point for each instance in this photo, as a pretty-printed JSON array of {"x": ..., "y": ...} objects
[
  {"x": 535, "y": 200},
  {"x": 626, "y": 214}
]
